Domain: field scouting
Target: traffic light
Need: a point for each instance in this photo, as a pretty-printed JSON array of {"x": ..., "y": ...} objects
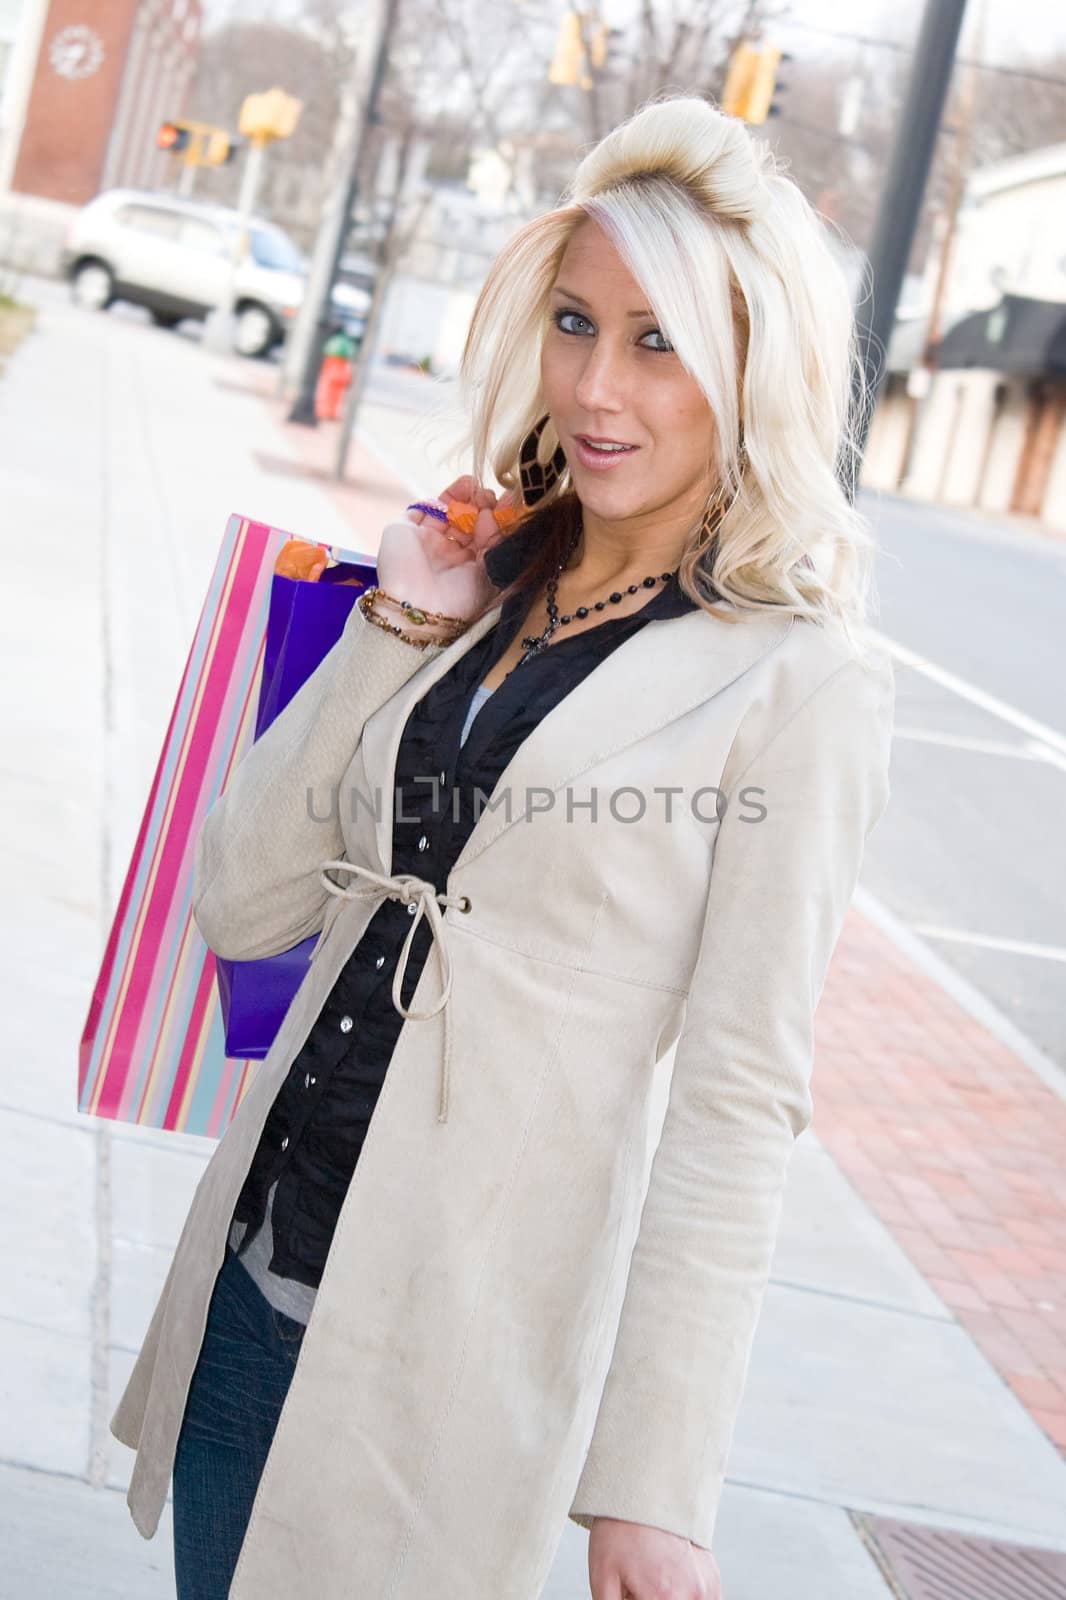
[
  {"x": 268, "y": 116},
  {"x": 174, "y": 136},
  {"x": 763, "y": 84},
  {"x": 584, "y": 45},
  {"x": 751, "y": 82},
  {"x": 217, "y": 149},
  {"x": 201, "y": 143},
  {"x": 568, "y": 62}
]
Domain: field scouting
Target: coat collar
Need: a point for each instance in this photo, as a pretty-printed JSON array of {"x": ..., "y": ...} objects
[{"x": 658, "y": 674}]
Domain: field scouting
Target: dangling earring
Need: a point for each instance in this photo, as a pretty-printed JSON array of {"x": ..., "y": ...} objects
[
  {"x": 537, "y": 481},
  {"x": 721, "y": 505}
]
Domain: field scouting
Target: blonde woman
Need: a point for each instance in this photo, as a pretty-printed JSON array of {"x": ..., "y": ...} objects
[{"x": 557, "y": 802}]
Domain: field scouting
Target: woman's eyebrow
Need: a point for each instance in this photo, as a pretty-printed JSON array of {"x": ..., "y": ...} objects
[{"x": 569, "y": 294}]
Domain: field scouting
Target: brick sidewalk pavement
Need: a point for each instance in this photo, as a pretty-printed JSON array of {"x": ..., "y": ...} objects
[{"x": 959, "y": 1148}]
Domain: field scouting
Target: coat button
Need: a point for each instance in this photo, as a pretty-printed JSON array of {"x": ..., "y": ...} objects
[
  {"x": 412, "y": 908},
  {"x": 285, "y": 1142},
  {"x": 346, "y": 1024},
  {"x": 444, "y": 777},
  {"x": 423, "y": 843},
  {"x": 380, "y": 962},
  {"x": 307, "y": 1080}
]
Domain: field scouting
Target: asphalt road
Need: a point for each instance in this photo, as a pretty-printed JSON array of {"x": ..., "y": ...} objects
[{"x": 971, "y": 853}]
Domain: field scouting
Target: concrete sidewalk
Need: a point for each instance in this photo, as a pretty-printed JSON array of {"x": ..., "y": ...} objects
[{"x": 911, "y": 1359}]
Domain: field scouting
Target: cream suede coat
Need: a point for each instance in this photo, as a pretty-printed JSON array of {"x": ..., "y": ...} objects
[{"x": 504, "y": 1335}]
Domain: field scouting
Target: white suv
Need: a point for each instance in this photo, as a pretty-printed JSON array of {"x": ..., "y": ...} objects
[{"x": 173, "y": 256}]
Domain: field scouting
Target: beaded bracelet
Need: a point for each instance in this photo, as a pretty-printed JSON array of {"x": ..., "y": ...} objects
[{"x": 416, "y": 615}]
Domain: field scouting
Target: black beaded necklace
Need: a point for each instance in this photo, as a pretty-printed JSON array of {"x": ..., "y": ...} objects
[{"x": 533, "y": 646}]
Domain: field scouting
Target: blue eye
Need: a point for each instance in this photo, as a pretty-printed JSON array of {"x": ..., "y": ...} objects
[{"x": 560, "y": 318}]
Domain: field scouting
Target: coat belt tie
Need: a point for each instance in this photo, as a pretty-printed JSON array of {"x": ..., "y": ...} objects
[{"x": 416, "y": 891}]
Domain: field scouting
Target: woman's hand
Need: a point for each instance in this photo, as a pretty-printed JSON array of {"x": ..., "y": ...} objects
[
  {"x": 419, "y": 562},
  {"x": 628, "y": 1561}
]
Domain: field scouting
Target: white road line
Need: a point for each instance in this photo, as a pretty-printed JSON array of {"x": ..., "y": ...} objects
[
  {"x": 986, "y": 941},
  {"x": 1031, "y": 750},
  {"x": 977, "y": 697}
]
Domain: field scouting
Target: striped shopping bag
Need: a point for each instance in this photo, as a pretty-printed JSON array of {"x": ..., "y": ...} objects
[{"x": 153, "y": 1048}]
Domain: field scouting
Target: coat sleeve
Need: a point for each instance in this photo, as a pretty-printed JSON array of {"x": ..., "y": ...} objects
[
  {"x": 739, "y": 1098},
  {"x": 256, "y": 889}
]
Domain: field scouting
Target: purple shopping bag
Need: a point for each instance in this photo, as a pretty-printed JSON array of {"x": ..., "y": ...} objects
[{"x": 304, "y": 622}]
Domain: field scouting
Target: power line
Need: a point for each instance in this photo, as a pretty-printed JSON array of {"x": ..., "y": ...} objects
[
  {"x": 849, "y": 38},
  {"x": 901, "y": 48},
  {"x": 1014, "y": 72}
]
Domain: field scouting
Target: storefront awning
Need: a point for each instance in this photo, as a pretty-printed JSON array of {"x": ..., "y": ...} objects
[{"x": 1026, "y": 338}]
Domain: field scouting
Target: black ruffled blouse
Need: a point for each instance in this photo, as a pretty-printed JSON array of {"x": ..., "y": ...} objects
[{"x": 314, "y": 1133}]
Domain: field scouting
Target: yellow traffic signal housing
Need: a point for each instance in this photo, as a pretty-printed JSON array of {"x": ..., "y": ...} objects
[
  {"x": 751, "y": 82},
  {"x": 268, "y": 116},
  {"x": 598, "y": 45},
  {"x": 568, "y": 62},
  {"x": 216, "y": 148},
  {"x": 739, "y": 79},
  {"x": 764, "y": 82},
  {"x": 202, "y": 144}
]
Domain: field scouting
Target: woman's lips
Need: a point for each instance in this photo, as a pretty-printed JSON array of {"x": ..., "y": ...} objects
[{"x": 601, "y": 460}]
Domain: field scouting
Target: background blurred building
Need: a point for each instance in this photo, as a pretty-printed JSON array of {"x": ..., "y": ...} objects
[
  {"x": 990, "y": 432},
  {"x": 83, "y": 87}
]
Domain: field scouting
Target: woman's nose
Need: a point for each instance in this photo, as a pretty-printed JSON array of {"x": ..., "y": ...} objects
[{"x": 600, "y": 385}]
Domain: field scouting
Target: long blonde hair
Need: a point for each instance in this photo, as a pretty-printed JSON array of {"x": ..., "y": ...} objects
[{"x": 738, "y": 269}]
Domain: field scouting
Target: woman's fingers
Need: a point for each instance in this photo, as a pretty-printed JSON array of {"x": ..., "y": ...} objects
[
  {"x": 485, "y": 527},
  {"x": 463, "y": 488},
  {"x": 446, "y": 542},
  {"x": 470, "y": 492}
]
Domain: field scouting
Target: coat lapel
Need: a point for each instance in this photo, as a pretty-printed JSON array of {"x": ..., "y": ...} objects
[
  {"x": 659, "y": 673},
  {"x": 384, "y": 730}
]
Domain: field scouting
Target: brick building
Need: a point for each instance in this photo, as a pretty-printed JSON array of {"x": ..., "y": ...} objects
[{"x": 83, "y": 86}]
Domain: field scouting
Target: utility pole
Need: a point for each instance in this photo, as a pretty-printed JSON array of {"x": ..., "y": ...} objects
[
  {"x": 921, "y": 378},
  {"x": 391, "y": 247},
  {"x": 905, "y": 182},
  {"x": 956, "y": 188},
  {"x": 313, "y": 325}
]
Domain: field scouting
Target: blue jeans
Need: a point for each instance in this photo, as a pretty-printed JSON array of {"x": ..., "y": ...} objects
[{"x": 246, "y": 1364}]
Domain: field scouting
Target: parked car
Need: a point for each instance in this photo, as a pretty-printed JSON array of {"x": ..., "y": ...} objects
[{"x": 174, "y": 257}]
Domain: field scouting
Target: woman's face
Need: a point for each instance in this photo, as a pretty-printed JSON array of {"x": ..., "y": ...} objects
[{"x": 610, "y": 377}]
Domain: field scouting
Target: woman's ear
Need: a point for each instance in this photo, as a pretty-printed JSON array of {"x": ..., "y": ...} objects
[{"x": 536, "y": 480}]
